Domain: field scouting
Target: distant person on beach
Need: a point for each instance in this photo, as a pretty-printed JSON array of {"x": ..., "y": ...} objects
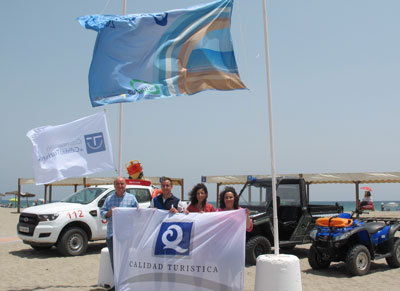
[
  {"x": 166, "y": 200},
  {"x": 229, "y": 200},
  {"x": 198, "y": 200},
  {"x": 367, "y": 203},
  {"x": 119, "y": 198}
]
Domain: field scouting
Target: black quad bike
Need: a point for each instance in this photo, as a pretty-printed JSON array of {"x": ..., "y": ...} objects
[{"x": 355, "y": 241}]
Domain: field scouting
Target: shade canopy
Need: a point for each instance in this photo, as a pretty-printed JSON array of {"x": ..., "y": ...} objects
[{"x": 318, "y": 178}]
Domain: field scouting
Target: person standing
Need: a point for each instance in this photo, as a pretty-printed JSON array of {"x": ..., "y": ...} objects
[
  {"x": 229, "y": 200},
  {"x": 120, "y": 198},
  {"x": 198, "y": 199},
  {"x": 166, "y": 200}
]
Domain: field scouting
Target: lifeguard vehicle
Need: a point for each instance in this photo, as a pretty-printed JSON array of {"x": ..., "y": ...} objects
[{"x": 72, "y": 222}]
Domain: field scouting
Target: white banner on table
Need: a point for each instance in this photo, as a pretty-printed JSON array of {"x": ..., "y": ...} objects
[{"x": 156, "y": 250}]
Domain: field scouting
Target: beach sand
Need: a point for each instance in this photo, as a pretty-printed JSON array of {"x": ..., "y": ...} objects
[{"x": 24, "y": 269}]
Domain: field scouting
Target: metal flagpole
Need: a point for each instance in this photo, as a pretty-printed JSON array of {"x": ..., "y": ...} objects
[
  {"x": 271, "y": 133},
  {"x": 120, "y": 116}
]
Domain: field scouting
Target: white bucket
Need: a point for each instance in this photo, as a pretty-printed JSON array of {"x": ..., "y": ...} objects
[
  {"x": 106, "y": 276},
  {"x": 278, "y": 273}
]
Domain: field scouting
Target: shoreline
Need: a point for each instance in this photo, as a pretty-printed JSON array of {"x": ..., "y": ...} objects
[{"x": 25, "y": 269}]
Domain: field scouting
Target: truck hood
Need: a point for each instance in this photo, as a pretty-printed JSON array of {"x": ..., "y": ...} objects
[{"x": 53, "y": 208}]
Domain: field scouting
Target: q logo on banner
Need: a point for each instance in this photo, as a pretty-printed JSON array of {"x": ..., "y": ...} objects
[{"x": 174, "y": 239}]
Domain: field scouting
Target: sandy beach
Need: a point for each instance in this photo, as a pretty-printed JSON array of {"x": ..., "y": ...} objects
[{"x": 23, "y": 268}]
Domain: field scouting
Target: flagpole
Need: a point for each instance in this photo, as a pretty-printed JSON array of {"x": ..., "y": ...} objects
[
  {"x": 271, "y": 133},
  {"x": 121, "y": 115}
]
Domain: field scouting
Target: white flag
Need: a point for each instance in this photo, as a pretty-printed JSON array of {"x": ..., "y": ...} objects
[
  {"x": 75, "y": 149},
  {"x": 155, "y": 250}
]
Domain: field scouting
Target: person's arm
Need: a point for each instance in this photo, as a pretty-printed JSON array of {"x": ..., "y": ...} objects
[
  {"x": 249, "y": 222},
  {"x": 106, "y": 211}
]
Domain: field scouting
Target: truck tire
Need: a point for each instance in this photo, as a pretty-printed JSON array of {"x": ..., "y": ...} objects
[
  {"x": 73, "y": 242},
  {"x": 256, "y": 246},
  {"x": 394, "y": 260},
  {"x": 358, "y": 260},
  {"x": 315, "y": 260}
]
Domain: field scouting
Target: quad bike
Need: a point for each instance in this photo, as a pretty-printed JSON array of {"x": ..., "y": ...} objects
[{"x": 355, "y": 241}]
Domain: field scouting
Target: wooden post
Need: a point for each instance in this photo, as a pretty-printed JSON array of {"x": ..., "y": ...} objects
[
  {"x": 182, "y": 191},
  {"x": 218, "y": 194},
  {"x": 357, "y": 183},
  {"x": 50, "y": 193},
  {"x": 249, "y": 193},
  {"x": 19, "y": 195},
  {"x": 45, "y": 193}
]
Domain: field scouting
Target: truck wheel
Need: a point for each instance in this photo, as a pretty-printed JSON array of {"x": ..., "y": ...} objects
[
  {"x": 256, "y": 246},
  {"x": 394, "y": 260},
  {"x": 358, "y": 260},
  {"x": 315, "y": 260},
  {"x": 73, "y": 242}
]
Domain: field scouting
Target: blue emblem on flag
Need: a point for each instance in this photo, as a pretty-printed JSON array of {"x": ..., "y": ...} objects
[
  {"x": 95, "y": 143},
  {"x": 174, "y": 239}
]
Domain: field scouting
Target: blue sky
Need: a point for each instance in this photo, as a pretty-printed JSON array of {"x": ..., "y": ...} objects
[{"x": 335, "y": 93}]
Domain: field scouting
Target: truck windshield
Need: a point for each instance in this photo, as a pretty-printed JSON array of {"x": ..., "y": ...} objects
[
  {"x": 289, "y": 194},
  {"x": 84, "y": 196}
]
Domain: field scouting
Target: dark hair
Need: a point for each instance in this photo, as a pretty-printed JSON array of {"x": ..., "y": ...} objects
[
  {"x": 193, "y": 194},
  {"x": 368, "y": 193},
  {"x": 222, "y": 197},
  {"x": 166, "y": 179}
]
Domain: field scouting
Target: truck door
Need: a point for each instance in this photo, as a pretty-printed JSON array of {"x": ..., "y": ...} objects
[{"x": 143, "y": 196}]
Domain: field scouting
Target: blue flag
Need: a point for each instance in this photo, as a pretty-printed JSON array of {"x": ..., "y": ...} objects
[{"x": 152, "y": 56}]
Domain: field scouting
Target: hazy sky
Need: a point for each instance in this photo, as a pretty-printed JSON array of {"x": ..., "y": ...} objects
[{"x": 335, "y": 93}]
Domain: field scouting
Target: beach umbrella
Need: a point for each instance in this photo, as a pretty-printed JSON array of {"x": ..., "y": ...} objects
[
  {"x": 392, "y": 204},
  {"x": 366, "y": 188},
  {"x": 26, "y": 195}
]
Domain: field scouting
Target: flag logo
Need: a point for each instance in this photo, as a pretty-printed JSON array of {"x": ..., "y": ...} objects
[
  {"x": 174, "y": 239},
  {"x": 95, "y": 143}
]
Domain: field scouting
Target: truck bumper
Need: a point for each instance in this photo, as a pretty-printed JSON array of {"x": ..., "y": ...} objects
[{"x": 37, "y": 235}]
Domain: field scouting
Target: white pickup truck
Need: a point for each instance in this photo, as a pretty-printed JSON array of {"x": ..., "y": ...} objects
[{"x": 72, "y": 222}]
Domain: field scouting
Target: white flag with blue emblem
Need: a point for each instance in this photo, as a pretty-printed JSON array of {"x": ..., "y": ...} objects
[
  {"x": 155, "y": 250},
  {"x": 75, "y": 149}
]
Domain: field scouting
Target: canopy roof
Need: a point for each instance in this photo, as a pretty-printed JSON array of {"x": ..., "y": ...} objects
[
  {"x": 96, "y": 181},
  {"x": 323, "y": 178}
]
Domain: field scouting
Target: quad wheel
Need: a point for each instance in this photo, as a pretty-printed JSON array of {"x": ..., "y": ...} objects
[
  {"x": 73, "y": 242},
  {"x": 315, "y": 260},
  {"x": 394, "y": 260},
  {"x": 358, "y": 260},
  {"x": 256, "y": 246}
]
